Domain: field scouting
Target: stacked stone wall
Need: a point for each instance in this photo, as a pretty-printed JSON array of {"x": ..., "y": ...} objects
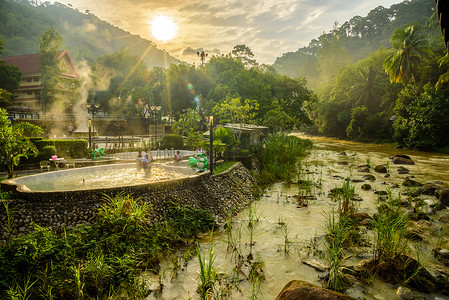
[{"x": 221, "y": 194}]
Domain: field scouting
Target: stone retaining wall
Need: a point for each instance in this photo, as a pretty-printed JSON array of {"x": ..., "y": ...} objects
[{"x": 220, "y": 194}]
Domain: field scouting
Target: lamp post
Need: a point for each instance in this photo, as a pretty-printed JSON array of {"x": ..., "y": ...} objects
[
  {"x": 155, "y": 109},
  {"x": 92, "y": 108},
  {"x": 211, "y": 140},
  {"x": 89, "y": 125}
]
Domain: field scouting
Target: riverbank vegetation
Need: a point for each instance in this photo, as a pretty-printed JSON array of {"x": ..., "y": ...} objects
[
  {"x": 102, "y": 260},
  {"x": 380, "y": 77}
]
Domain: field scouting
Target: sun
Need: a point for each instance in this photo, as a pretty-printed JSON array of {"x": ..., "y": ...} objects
[{"x": 163, "y": 28}]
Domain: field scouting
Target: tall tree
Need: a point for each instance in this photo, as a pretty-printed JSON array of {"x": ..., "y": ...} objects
[
  {"x": 367, "y": 89},
  {"x": 409, "y": 48},
  {"x": 50, "y": 43},
  {"x": 15, "y": 142},
  {"x": 10, "y": 77},
  {"x": 244, "y": 54}
]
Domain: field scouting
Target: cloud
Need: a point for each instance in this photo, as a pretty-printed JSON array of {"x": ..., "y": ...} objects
[{"x": 269, "y": 27}]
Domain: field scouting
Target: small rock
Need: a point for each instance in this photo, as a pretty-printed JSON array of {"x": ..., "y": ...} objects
[
  {"x": 410, "y": 183},
  {"x": 443, "y": 196},
  {"x": 381, "y": 193},
  {"x": 366, "y": 187},
  {"x": 343, "y": 163},
  {"x": 380, "y": 169},
  {"x": 369, "y": 177},
  {"x": 405, "y": 293},
  {"x": 402, "y": 160},
  {"x": 387, "y": 176}
]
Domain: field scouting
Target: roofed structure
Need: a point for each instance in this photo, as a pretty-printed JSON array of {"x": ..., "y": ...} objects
[{"x": 30, "y": 88}]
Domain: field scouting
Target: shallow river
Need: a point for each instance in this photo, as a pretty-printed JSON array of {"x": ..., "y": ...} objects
[{"x": 305, "y": 226}]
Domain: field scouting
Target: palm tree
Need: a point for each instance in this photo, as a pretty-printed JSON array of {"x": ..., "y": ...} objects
[
  {"x": 410, "y": 47},
  {"x": 367, "y": 88}
]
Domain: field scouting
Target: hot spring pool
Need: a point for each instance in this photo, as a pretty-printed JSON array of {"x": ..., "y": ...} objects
[{"x": 105, "y": 176}]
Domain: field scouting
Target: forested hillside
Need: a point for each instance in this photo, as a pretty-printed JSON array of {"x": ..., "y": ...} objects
[
  {"x": 380, "y": 78},
  {"x": 351, "y": 41},
  {"x": 85, "y": 35}
]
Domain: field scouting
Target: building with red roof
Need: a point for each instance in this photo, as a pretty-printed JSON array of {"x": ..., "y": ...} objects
[{"x": 27, "y": 96}]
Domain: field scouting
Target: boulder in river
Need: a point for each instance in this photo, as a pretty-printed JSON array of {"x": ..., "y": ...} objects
[
  {"x": 443, "y": 196},
  {"x": 297, "y": 289},
  {"x": 429, "y": 188},
  {"x": 380, "y": 169},
  {"x": 402, "y": 160},
  {"x": 403, "y": 170},
  {"x": 402, "y": 266}
]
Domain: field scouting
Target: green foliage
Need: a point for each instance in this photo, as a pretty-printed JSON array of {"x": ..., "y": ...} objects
[
  {"x": 48, "y": 151},
  {"x": 279, "y": 157},
  {"x": 390, "y": 227},
  {"x": 6, "y": 98},
  {"x": 409, "y": 49},
  {"x": 50, "y": 43},
  {"x": 189, "y": 122},
  {"x": 225, "y": 136},
  {"x": 172, "y": 141},
  {"x": 72, "y": 148},
  {"x": 90, "y": 262},
  {"x": 15, "y": 141},
  {"x": 208, "y": 274},
  {"x": 422, "y": 118},
  {"x": 223, "y": 167},
  {"x": 236, "y": 111}
]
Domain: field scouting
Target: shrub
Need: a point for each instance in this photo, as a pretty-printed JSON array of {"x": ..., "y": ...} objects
[
  {"x": 41, "y": 143},
  {"x": 174, "y": 141},
  {"x": 71, "y": 148},
  {"x": 49, "y": 151}
]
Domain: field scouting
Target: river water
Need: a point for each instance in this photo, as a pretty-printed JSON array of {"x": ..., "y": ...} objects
[{"x": 327, "y": 167}]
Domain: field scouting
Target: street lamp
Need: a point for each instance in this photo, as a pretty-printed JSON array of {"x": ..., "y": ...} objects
[
  {"x": 89, "y": 125},
  {"x": 92, "y": 108},
  {"x": 155, "y": 109},
  {"x": 211, "y": 140}
]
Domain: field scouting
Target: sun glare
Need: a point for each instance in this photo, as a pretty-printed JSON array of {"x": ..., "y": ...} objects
[{"x": 163, "y": 28}]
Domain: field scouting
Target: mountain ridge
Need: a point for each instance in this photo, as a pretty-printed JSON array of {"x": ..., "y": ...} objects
[{"x": 84, "y": 34}]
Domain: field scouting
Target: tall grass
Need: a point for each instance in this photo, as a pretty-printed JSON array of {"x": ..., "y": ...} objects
[
  {"x": 96, "y": 261},
  {"x": 279, "y": 157},
  {"x": 208, "y": 275}
]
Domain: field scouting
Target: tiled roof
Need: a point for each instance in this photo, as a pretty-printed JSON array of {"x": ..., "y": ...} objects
[{"x": 28, "y": 64}]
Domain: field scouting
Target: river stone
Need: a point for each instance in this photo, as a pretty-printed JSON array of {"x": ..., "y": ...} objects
[
  {"x": 411, "y": 183},
  {"x": 443, "y": 196},
  {"x": 429, "y": 189},
  {"x": 402, "y": 160},
  {"x": 369, "y": 177},
  {"x": 363, "y": 169},
  {"x": 403, "y": 170},
  {"x": 343, "y": 163},
  {"x": 405, "y": 293},
  {"x": 380, "y": 169},
  {"x": 301, "y": 290},
  {"x": 366, "y": 187}
]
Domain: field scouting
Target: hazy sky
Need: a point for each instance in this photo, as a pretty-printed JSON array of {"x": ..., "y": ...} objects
[{"x": 269, "y": 27}]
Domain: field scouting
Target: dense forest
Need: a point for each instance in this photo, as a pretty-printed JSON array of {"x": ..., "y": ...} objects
[
  {"x": 379, "y": 78},
  {"x": 84, "y": 34}
]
